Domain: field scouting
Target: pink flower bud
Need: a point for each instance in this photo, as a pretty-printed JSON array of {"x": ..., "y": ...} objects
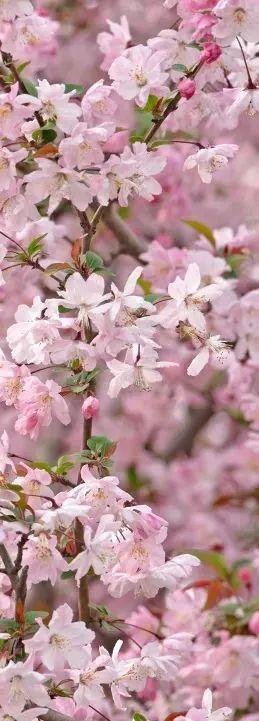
[
  {"x": 210, "y": 53},
  {"x": 254, "y": 623},
  {"x": 245, "y": 576},
  {"x": 90, "y": 407},
  {"x": 186, "y": 88}
]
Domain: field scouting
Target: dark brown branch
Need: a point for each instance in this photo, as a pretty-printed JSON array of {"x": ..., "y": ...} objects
[
  {"x": 129, "y": 242},
  {"x": 184, "y": 440}
]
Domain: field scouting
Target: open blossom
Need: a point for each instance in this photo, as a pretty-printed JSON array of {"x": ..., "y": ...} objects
[
  {"x": 124, "y": 303},
  {"x": 114, "y": 42},
  {"x": 206, "y": 713},
  {"x": 99, "y": 549},
  {"x": 90, "y": 679},
  {"x": 137, "y": 73},
  {"x": 148, "y": 581},
  {"x": 236, "y": 17},
  {"x": 30, "y": 338},
  {"x": 43, "y": 559},
  {"x": 97, "y": 104},
  {"x": 139, "y": 369},
  {"x": 131, "y": 173},
  {"x": 211, "y": 346},
  {"x": 28, "y": 36},
  {"x": 36, "y": 485},
  {"x": 84, "y": 146},
  {"x": 13, "y": 111},
  {"x": 15, "y": 8},
  {"x": 244, "y": 100},
  {"x": 55, "y": 182},
  {"x": 12, "y": 378},
  {"x": 209, "y": 160},
  {"x": 38, "y": 402},
  {"x": 85, "y": 295},
  {"x": 63, "y": 641},
  {"x": 189, "y": 299},
  {"x": 54, "y": 105},
  {"x": 20, "y": 684}
]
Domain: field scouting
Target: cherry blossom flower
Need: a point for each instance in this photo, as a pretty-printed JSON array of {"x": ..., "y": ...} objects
[
  {"x": 84, "y": 146},
  {"x": 43, "y": 559},
  {"x": 85, "y": 295},
  {"x": 206, "y": 713},
  {"x": 137, "y": 73},
  {"x": 91, "y": 678},
  {"x": 189, "y": 298},
  {"x": 27, "y": 36},
  {"x": 139, "y": 369},
  {"x": 124, "y": 303},
  {"x": 35, "y": 484},
  {"x": 15, "y": 8},
  {"x": 114, "y": 42},
  {"x": 97, "y": 104},
  {"x": 209, "y": 160},
  {"x": 63, "y": 641},
  {"x": 19, "y": 684},
  {"x": 236, "y": 17},
  {"x": 37, "y": 403},
  {"x": 55, "y": 182},
  {"x": 213, "y": 345},
  {"x": 54, "y": 105}
]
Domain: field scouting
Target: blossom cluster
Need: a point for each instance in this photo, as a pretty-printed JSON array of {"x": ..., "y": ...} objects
[{"x": 86, "y": 331}]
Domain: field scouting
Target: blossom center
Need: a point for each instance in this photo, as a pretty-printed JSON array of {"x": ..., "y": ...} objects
[
  {"x": 58, "y": 640},
  {"x": 240, "y": 15},
  {"x": 140, "y": 78}
]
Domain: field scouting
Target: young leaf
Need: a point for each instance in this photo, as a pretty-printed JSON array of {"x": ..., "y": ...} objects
[
  {"x": 202, "y": 229},
  {"x": 29, "y": 86},
  {"x": 73, "y": 86}
]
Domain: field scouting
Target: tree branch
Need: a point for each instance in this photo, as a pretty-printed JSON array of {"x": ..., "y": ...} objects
[
  {"x": 184, "y": 440},
  {"x": 129, "y": 242}
]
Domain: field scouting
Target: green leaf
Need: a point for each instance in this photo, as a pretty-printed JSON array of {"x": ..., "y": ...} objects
[
  {"x": 73, "y": 86},
  {"x": 63, "y": 466},
  {"x": 151, "y": 103},
  {"x": 202, "y": 229},
  {"x": 67, "y": 574},
  {"x": 40, "y": 464},
  {"x": 124, "y": 213},
  {"x": 139, "y": 717},
  {"x": 35, "y": 246},
  {"x": 29, "y": 86},
  {"x": 30, "y": 616},
  {"x": 180, "y": 68},
  {"x": 46, "y": 133},
  {"x": 93, "y": 261},
  {"x": 8, "y": 625},
  {"x": 235, "y": 261},
  {"x": 145, "y": 285},
  {"x": 154, "y": 297},
  {"x": 215, "y": 561},
  {"x": 133, "y": 479}
]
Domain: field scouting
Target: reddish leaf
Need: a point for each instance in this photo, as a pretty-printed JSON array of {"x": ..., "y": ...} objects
[
  {"x": 48, "y": 149},
  {"x": 75, "y": 252}
]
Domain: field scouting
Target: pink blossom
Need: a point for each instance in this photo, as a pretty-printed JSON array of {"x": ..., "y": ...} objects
[
  {"x": 55, "y": 182},
  {"x": 43, "y": 559},
  {"x": 54, "y": 105},
  {"x": 90, "y": 407},
  {"x": 139, "y": 369},
  {"x": 37, "y": 403},
  {"x": 113, "y": 43},
  {"x": 19, "y": 684},
  {"x": 63, "y": 641},
  {"x": 186, "y": 88},
  {"x": 209, "y": 160},
  {"x": 97, "y": 104},
  {"x": 137, "y": 73},
  {"x": 236, "y": 17}
]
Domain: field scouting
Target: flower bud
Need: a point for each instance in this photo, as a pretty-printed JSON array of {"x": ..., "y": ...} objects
[
  {"x": 186, "y": 88},
  {"x": 90, "y": 407},
  {"x": 210, "y": 53}
]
